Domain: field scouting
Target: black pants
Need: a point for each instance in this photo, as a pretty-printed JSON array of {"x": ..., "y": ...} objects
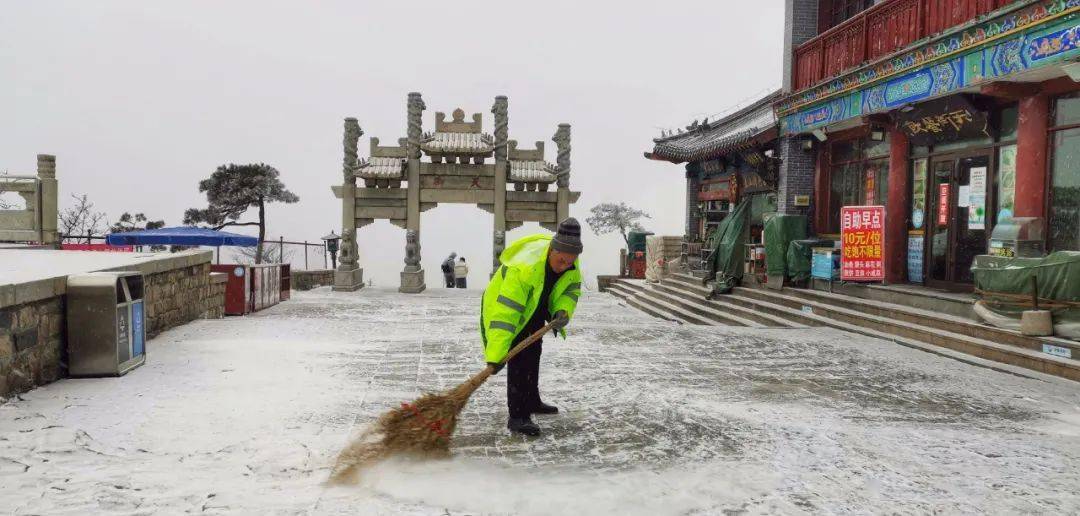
[
  {"x": 460, "y": 282},
  {"x": 449, "y": 280},
  {"x": 522, "y": 379}
]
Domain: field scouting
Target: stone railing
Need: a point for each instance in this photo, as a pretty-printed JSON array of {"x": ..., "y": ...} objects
[
  {"x": 307, "y": 280},
  {"x": 178, "y": 289}
]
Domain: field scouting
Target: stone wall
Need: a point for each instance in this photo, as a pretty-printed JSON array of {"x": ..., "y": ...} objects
[
  {"x": 32, "y": 350},
  {"x": 33, "y": 346},
  {"x": 179, "y": 296},
  {"x": 796, "y": 175},
  {"x": 800, "y": 25},
  {"x": 307, "y": 280},
  {"x": 215, "y": 303}
]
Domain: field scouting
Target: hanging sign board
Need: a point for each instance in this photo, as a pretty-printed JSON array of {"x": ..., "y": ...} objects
[
  {"x": 862, "y": 235},
  {"x": 977, "y": 199},
  {"x": 943, "y": 204},
  {"x": 915, "y": 256},
  {"x": 948, "y": 119},
  {"x": 717, "y": 189}
]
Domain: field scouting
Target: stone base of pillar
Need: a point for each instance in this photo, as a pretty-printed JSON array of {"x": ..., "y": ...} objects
[
  {"x": 412, "y": 282},
  {"x": 348, "y": 280}
]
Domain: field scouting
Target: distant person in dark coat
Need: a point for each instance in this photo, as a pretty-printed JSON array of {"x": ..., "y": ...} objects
[{"x": 448, "y": 270}]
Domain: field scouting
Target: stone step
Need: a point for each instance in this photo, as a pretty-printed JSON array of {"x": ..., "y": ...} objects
[
  {"x": 700, "y": 307},
  {"x": 937, "y": 320},
  {"x": 659, "y": 301},
  {"x": 692, "y": 290},
  {"x": 633, "y": 294},
  {"x": 854, "y": 320}
]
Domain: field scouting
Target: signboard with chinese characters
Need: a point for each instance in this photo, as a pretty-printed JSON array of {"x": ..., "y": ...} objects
[
  {"x": 717, "y": 189},
  {"x": 943, "y": 205},
  {"x": 862, "y": 235},
  {"x": 949, "y": 119},
  {"x": 915, "y": 256}
]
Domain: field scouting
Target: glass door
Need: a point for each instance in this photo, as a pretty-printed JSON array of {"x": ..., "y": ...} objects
[
  {"x": 969, "y": 226},
  {"x": 958, "y": 205},
  {"x": 940, "y": 197}
]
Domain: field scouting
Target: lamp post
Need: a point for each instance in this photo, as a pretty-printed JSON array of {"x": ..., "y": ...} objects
[{"x": 332, "y": 247}]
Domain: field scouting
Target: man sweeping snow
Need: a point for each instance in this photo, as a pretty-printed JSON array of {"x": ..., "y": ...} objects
[{"x": 538, "y": 280}]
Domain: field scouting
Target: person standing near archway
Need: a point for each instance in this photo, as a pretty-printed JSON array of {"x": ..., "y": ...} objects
[
  {"x": 538, "y": 280},
  {"x": 448, "y": 270},
  {"x": 461, "y": 271}
]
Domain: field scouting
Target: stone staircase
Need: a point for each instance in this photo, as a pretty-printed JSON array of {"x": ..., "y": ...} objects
[{"x": 681, "y": 298}]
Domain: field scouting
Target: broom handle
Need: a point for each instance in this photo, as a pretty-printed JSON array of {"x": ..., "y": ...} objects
[{"x": 527, "y": 342}]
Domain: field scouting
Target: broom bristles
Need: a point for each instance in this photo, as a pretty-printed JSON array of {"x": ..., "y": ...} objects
[{"x": 422, "y": 428}]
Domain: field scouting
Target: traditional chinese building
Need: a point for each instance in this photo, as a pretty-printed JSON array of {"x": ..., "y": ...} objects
[
  {"x": 726, "y": 160},
  {"x": 955, "y": 115}
]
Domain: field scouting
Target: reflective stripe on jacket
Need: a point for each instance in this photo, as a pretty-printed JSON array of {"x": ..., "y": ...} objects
[{"x": 514, "y": 293}]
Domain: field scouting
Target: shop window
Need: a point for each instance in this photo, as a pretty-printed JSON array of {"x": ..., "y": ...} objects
[
  {"x": 918, "y": 193},
  {"x": 843, "y": 10},
  {"x": 1065, "y": 187},
  {"x": 860, "y": 182},
  {"x": 1007, "y": 122},
  {"x": 1005, "y": 186},
  {"x": 1067, "y": 111}
]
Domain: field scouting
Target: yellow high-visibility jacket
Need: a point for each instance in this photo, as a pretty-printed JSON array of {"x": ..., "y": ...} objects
[{"x": 514, "y": 294}]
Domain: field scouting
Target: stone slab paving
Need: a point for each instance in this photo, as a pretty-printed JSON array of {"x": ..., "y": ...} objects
[{"x": 244, "y": 415}]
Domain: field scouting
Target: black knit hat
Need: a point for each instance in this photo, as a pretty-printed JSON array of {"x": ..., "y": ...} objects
[{"x": 568, "y": 237}]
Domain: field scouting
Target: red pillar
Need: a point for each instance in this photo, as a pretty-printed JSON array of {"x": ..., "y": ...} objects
[
  {"x": 899, "y": 202},
  {"x": 1031, "y": 165}
]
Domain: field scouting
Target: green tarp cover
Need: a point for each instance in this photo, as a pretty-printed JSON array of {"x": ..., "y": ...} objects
[
  {"x": 761, "y": 204},
  {"x": 1057, "y": 274},
  {"x": 800, "y": 254},
  {"x": 729, "y": 246},
  {"x": 636, "y": 239},
  {"x": 779, "y": 231}
]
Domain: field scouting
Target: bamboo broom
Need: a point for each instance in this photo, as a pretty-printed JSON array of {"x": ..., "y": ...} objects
[{"x": 421, "y": 429}]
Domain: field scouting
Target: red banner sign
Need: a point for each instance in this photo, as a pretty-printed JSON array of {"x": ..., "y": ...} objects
[
  {"x": 862, "y": 231},
  {"x": 106, "y": 248},
  {"x": 943, "y": 204}
]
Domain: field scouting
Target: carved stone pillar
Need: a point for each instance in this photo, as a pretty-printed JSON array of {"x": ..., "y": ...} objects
[
  {"x": 349, "y": 276},
  {"x": 46, "y": 169},
  {"x": 412, "y": 278},
  {"x": 562, "y": 142},
  {"x": 502, "y": 121}
]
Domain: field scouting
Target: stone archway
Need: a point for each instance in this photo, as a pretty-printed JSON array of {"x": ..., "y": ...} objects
[{"x": 398, "y": 184}]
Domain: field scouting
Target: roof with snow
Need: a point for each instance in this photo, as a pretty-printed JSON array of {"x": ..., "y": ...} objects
[{"x": 708, "y": 140}]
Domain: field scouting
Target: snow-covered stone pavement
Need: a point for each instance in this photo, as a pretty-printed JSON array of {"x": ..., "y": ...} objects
[{"x": 245, "y": 415}]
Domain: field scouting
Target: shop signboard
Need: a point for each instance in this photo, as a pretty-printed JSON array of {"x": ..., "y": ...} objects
[
  {"x": 948, "y": 119},
  {"x": 915, "y": 256},
  {"x": 977, "y": 199},
  {"x": 943, "y": 205},
  {"x": 870, "y": 187},
  {"x": 862, "y": 234},
  {"x": 716, "y": 189}
]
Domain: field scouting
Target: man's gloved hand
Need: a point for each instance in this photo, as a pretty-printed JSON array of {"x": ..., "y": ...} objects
[
  {"x": 560, "y": 320},
  {"x": 495, "y": 367}
]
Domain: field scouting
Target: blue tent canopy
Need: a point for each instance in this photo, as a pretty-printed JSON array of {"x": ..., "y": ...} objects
[{"x": 181, "y": 235}]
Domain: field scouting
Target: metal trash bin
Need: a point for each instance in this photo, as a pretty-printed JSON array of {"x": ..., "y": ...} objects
[{"x": 106, "y": 333}]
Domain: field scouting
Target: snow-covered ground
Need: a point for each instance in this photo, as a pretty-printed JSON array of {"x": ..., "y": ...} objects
[{"x": 245, "y": 415}]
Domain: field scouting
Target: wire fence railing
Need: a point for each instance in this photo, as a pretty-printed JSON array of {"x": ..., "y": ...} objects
[{"x": 303, "y": 255}]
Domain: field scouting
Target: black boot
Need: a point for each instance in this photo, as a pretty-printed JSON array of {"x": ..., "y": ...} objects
[
  {"x": 523, "y": 425},
  {"x": 543, "y": 408}
]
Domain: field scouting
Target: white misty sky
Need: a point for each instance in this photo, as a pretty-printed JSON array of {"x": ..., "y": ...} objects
[{"x": 141, "y": 100}]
